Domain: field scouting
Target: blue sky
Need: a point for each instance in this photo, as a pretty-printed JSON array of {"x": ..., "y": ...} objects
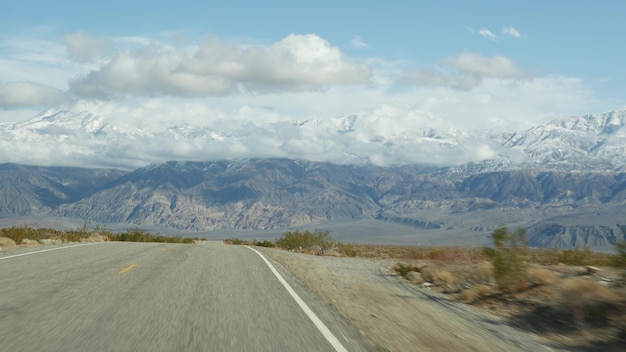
[{"x": 496, "y": 62}]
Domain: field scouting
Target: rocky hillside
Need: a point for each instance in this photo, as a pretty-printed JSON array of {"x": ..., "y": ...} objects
[{"x": 558, "y": 208}]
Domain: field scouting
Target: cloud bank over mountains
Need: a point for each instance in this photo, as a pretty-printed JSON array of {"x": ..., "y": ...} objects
[
  {"x": 128, "y": 101},
  {"x": 87, "y": 139},
  {"x": 109, "y": 139}
]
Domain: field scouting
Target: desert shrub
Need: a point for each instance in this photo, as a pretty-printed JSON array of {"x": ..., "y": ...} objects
[
  {"x": 509, "y": 267},
  {"x": 489, "y": 253},
  {"x": 454, "y": 255},
  {"x": 586, "y": 299},
  {"x": 540, "y": 276},
  {"x": 235, "y": 241},
  {"x": 84, "y": 233},
  {"x": 20, "y": 233},
  {"x": 439, "y": 277},
  {"x": 484, "y": 273},
  {"x": 403, "y": 269},
  {"x": 139, "y": 235},
  {"x": 575, "y": 256},
  {"x": 6, "y": 242},
  {"x": 348, "y": 250},
  {"x": 265, "y": 243},
  {"x": 446, "y": 278},
  {"x": 475, "y": 293},
  {"x": 319, "y": 241}
]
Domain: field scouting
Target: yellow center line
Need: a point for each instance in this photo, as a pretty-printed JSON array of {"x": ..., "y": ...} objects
[{"x": 128, "y": 268}]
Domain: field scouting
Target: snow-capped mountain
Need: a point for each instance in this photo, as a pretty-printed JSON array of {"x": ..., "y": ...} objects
[
  {"x": 586, "y": 143},
  {"x": 589, "y": 142}
]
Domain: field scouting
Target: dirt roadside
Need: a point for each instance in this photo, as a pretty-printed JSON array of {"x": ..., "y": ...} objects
[{"x": 397, "y": 316}]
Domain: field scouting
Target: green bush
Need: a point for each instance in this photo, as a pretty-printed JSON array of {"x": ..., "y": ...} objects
[
  {"x": 319, "y": 241},
  {"x": 235, "y": 241},
  {"x": 265, "y": 243},
  {"x": 509, "y": 266},
  {"x": 575, "y": 256},
  {"x": 139, "y": 235},
  {"x": 20, "y": 233},
  {"x": 403, "y": 269}
]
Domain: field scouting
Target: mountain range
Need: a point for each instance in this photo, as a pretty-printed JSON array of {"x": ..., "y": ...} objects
[{"x": 564, "y": 181}]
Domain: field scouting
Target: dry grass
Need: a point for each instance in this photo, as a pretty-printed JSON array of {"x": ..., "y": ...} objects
[
  {"x": 579, "y": 257},
  {"x": 537, "y": 275},
  {"x": 440, "y": 255},
  {"x": 474, "y": 255},
  {"x": 476, "y": 293},
  {"x": 552, "y": 294},
  {"x": 484, "y": 273},
  {"x": 29, "y": 242},
  {"x": 587, "y": 298},
  {"x": 439, "y": 277},
  {"x": 6, "y": 242}
]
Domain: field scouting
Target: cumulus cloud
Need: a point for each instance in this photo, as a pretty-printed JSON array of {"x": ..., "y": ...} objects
[
  {"x": 216, "y": 68},
  {"x": 14, "y": 95},
  {"x": 466, "y": 71},
  {"x": 440, "y": 125},
  {"x": 487, "y": 34}
]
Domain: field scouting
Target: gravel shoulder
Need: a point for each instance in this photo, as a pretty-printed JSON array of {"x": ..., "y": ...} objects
[{"x": 397, "y": 316}]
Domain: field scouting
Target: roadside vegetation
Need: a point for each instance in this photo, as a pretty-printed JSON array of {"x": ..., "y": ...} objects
[
  {"x": 575, "y": 298},
  {"x": 33, "y": 235},
  {"x": 318, "y": 242}
]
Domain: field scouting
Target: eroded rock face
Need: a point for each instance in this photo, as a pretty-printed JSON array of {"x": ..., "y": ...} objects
[{"x": 559, "y": 209}]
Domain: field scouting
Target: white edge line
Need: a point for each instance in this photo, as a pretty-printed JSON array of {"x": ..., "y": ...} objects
[
  {"x": 48, "y": 250},
  {"x": 318, "y": 323}
]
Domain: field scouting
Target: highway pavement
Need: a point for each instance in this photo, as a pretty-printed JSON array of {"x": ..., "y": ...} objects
[{"x": 118, "y": 296}]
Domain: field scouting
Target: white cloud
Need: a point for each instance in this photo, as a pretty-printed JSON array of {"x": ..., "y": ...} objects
[
  {"x": 422, "y": 125},
  {"x": 245, "y": 101},
  {"x": 511, "y": 31},
  {"x": 15, "y": 95},
  {"x": 358, "y": 42},
  {"x": 508, "y": 31},
  {"x": 84, "y": 47},
  {"x": 35, "y": 60},
  {"x": 483, "y": 66},
  {"x": 216, "y": 68},
  {"x": 466, "y": 71},
  {"x": 487, "y": 34}
]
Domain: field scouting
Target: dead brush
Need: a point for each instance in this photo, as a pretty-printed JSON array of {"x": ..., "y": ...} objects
[
  {"x": 589, "y": 301},
  {"x": 476, "y": 293},
  {"x": 483, "y": 274},
  {"x": 439, "y": 277},
  {"x": 6, "y": 242},
  {"x": 536, "y": 275}
]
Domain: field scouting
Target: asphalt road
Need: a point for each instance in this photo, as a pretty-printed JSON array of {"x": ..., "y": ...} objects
[{"x": 159, "y": 297}]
